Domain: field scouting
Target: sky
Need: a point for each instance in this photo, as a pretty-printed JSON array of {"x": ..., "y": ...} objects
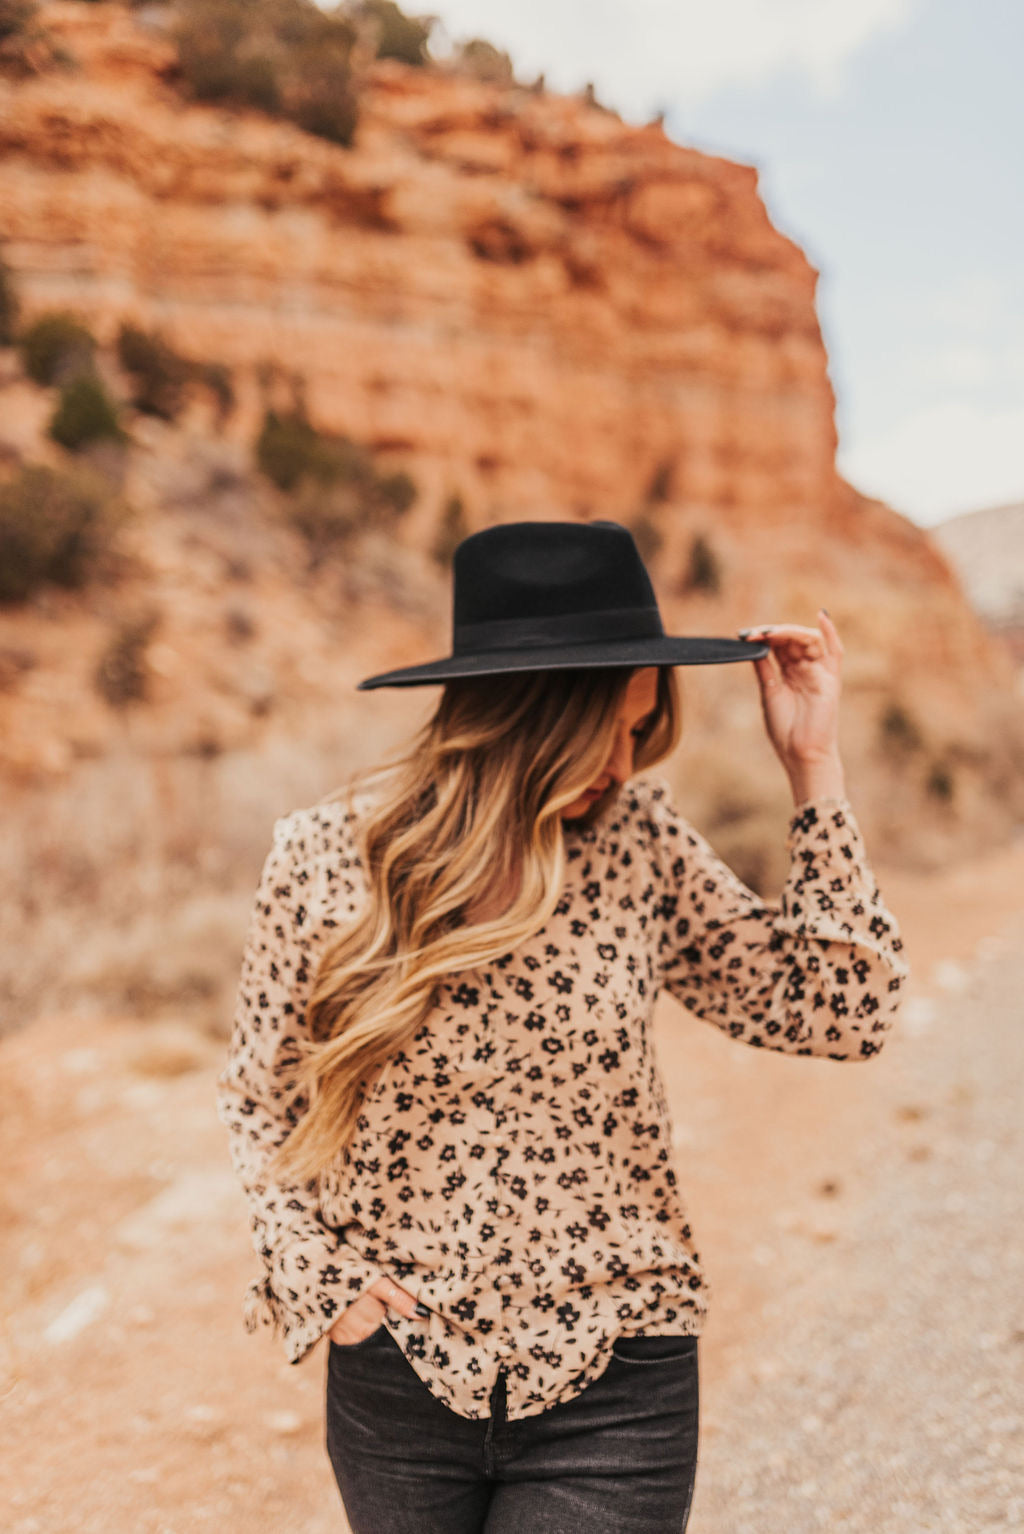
[{"x": 889, "y": 137}]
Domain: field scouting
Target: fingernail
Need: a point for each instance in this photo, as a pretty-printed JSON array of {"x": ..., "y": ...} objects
[
  {"x": 421, "y": 1310},
  {"x": 826, "y": 612}
]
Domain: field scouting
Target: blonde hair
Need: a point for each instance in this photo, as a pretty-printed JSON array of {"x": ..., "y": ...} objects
[{"x": 475, "y": 803}]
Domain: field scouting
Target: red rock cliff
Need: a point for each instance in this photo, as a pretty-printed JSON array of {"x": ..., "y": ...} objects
[{"x": 530, "y": 303}]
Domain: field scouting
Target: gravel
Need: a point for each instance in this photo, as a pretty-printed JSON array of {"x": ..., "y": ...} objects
[{"x": 889, "y": 1393}]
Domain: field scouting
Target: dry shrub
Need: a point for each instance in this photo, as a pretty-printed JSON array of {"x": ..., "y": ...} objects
[
  {"x": 27, "y": 47},
  {"x": 55, "y": 528},
  {"x": 122, "y": 675},
  {"x": 647, "y": 535},
  {"x": 899, "y": 733},
  {"x": 334, "y": 487},
  {"x": 453, "y": 527},
  {"x": 285, "y": 57},
  {"x": 85, "y": 414},
  {"x": 159, "y": 375},
  {"x": 56, "y": 347},
  {"x": 396, "y": 35},
  {"x": 483, "y": 61},
  {"x": 704, "y": 568},
  {"x": 9, "y": 305}
]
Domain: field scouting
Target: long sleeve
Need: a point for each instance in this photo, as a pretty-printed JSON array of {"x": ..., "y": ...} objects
[
  {"x": 309, "y": 1273},
  {"x": 817, "y": 973}
]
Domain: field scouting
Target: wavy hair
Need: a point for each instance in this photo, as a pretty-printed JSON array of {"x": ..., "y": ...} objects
[{"x": 474, "y": 805}]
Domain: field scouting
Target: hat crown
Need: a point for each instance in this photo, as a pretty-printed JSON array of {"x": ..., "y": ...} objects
[
  {"x": 544, "y": 596},
  {"x": 523, "y": 572}
]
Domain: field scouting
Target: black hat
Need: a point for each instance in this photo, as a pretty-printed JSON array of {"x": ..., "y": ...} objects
[{"x": 550, "y": 596}]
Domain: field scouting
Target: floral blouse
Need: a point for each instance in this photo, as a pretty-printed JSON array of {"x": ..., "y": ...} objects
[{"x": 512, "y": 1167}]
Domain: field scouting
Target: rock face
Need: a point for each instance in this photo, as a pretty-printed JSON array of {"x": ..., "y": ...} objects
[
  {"x": 527, "y": 303},
  {"x": 986, "y": 548},
  {"x": 542, "y": 307}
]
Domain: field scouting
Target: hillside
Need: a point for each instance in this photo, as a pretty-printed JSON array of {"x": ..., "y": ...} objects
[
  {"x": 531, "y": 309},
  {"x": 986, "y": 548}
]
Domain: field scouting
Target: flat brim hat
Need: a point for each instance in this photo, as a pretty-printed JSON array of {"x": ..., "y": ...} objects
[{"x": 554, "y": 596}]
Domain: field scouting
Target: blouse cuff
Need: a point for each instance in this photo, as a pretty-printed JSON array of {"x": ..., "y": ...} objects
[
  {"x": 304, "y": 1318},
  {"x": 825, "y": 801}
]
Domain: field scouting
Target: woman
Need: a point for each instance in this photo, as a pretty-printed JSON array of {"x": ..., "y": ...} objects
[{"x": 441, "y": 1089}]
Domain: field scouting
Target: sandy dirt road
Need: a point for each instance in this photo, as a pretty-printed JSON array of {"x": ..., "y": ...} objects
[{"x": 863, "y": 1368}]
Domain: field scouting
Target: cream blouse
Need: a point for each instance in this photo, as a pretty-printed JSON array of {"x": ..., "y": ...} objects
[{"x": 513, "y": 1166}]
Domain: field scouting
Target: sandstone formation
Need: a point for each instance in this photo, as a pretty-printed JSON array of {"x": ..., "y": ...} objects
[
  {"x": 986, "y": 548},
  {"x": 522, "y": 301}
]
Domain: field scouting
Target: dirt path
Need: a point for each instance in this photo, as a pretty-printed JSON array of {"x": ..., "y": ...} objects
[
  {"x": 884, "y": 1393},
  {"x": 858, "y": 1224}
]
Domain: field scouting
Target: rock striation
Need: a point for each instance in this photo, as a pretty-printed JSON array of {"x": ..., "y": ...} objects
[{"x": 529, "y": 304}]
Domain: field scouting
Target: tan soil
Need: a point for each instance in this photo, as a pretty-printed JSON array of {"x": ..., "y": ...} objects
[{"x": 132, "y": 1398}]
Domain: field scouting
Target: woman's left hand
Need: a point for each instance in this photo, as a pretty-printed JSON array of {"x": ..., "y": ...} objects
[{"x": 800, "y": 687}]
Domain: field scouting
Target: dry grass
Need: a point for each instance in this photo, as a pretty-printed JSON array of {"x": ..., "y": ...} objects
[{"x": 133, "y": 881}]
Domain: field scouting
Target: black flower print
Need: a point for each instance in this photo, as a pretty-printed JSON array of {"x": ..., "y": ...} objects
[{"x": 513, "y": 1165}]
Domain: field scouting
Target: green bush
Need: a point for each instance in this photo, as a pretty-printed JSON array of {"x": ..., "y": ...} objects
[
  {"x": 285, "y": 57},
  {"x": 55, "y": 347},
  {"x": 55, "y": 528},
  {"x": 398, "y": 36},
  {"x": 85, "y": 413},
  {"x": 289, "y": 450},
  {"x": 159, "y": 375},
  {"x": 334, "y": 486},
  {"x": 8, "y": 306}
]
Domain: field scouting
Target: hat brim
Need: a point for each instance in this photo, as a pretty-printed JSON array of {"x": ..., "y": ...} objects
[{"x": 665, "y": 650}]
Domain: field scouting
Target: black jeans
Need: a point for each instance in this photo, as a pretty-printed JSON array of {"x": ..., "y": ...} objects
[{"x": 620, "y": 1458}]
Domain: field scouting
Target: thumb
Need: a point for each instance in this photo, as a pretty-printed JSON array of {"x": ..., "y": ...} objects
[{"x": 769, "y": 673}]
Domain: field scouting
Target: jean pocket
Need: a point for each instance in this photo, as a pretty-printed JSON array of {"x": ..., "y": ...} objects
[
  {"x": 361, "y": 1342},
  {"x": 638, "y": 1348}
]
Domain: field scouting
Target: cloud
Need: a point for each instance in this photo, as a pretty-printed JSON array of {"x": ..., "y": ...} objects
[
  {"x": 651, "y": 54},
  {"x": 942, "y": 459}
]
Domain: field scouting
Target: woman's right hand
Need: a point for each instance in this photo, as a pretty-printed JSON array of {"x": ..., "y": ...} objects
[{"x": 358, "y": 1320}]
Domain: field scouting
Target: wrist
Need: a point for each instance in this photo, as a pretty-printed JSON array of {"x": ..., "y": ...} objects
[{"x": 820, "y": 779}]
